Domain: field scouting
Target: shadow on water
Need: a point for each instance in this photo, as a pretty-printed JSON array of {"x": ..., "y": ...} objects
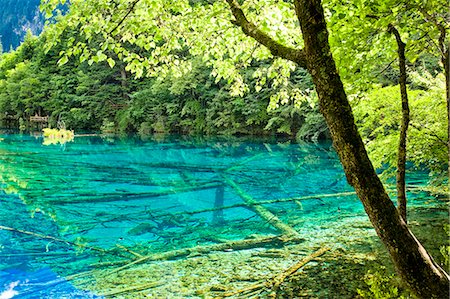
[{"x": 106, "y": 213}]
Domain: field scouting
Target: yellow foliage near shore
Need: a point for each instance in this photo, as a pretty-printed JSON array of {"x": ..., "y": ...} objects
[{"x": 55, "y": 136}]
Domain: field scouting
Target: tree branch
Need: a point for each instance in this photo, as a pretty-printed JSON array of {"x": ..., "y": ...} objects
[
  {"x": 296, "y": 55},
  {"x": 133, "y": 4},
  {"x": 430, "y": 18},
  {"x": 438, "y": 25},
  {"x": 401, "y": 151},
  {"x": 430, "y": 132}
]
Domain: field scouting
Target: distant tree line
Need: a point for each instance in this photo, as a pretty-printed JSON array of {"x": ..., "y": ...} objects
[{"x": 95, "y": 97}]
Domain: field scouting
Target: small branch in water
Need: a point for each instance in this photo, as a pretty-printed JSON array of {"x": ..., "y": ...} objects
[
  {"x": 129, "y": 250},
  {"x": 134, "y": 289},
  {"x": 279, "y": 279},
  {"x": 41, "y": 236},
  {"x": 275, "y": 282}
]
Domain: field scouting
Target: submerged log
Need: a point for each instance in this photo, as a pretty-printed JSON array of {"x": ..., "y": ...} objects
[
  {"x": 230, "y": 245},
  {"x": 262, "y": 202},
  {"x": 129, "y": 250},
  {"x": 218, "y": 204},
  {"x": 279, "y": 279},
  {"x": 260, "y": 210},
  {"x": 109, "y": 197},
  {"x": 241, "y": 164},
  {"x": 274, "y": 283}
]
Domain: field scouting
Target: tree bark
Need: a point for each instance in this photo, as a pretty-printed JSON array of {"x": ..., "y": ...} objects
[
  {"x": 445, "y": 58},
  {"x": 123, "y": 77},
  {"x": 401, "y": 151},
  {"x": 414, "y": 265},
  {"x": 446, "y": 62},
  {"x": 124, "y": 83}
]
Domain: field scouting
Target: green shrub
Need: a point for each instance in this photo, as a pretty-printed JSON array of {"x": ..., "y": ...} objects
[
  {"x": 445, "y": 250},
  {"x": 382, "y": 286},
  {"x": 108, "y": 127},
  {"x": 145, "y": 129}
]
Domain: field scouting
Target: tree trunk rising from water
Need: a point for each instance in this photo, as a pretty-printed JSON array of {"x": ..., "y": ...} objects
[
  {"x": 446, "y": 63},
  {"x": 401, "y": 159},
  {"x": 413, "y": 263},
  {"x": 415, "y": 266}
]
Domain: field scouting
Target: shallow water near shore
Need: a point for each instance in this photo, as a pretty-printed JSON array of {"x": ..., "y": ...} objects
[{"x": 118, "y": 217}]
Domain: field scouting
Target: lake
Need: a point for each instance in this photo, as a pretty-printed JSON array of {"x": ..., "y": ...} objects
[{"x": 186, "y": 217}]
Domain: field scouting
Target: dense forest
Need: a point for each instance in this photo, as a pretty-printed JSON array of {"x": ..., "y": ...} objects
[
  {"x": 17, "y": 17},
  {"x": 91, "y": 98},
  {"x": 372, "y": 76}
]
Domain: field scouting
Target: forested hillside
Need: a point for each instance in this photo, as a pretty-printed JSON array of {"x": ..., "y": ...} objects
[
  {"x": 16, "y": 18},
  {"x": 94, "y": 97}
]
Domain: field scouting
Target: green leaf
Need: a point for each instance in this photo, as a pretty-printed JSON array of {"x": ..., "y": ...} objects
[
  {"x": 111, "y": 62},
  {"x": 63, "y": 60},
  {"x": 101, "y": 56}
]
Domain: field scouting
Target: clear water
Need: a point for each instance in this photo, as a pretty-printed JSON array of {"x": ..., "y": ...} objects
[{"x": 107, "y": 195}]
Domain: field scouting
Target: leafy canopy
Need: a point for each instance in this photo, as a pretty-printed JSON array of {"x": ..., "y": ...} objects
[{"x": 164, "y": 31}]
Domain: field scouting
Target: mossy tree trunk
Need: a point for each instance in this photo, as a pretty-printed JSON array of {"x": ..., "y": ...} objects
[
  {"x": 414, "y": 265},
  {"x": 444, "y": 48},
  {"x": 446, "y": 62},
  {"x": 401, "y": 151}
]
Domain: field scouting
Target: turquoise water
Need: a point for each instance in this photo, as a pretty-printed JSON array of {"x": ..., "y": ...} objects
[{"x": 65, "y": 208}]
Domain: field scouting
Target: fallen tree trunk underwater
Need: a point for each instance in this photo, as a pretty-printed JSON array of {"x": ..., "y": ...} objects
[{"x": 230, "y": 245}]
